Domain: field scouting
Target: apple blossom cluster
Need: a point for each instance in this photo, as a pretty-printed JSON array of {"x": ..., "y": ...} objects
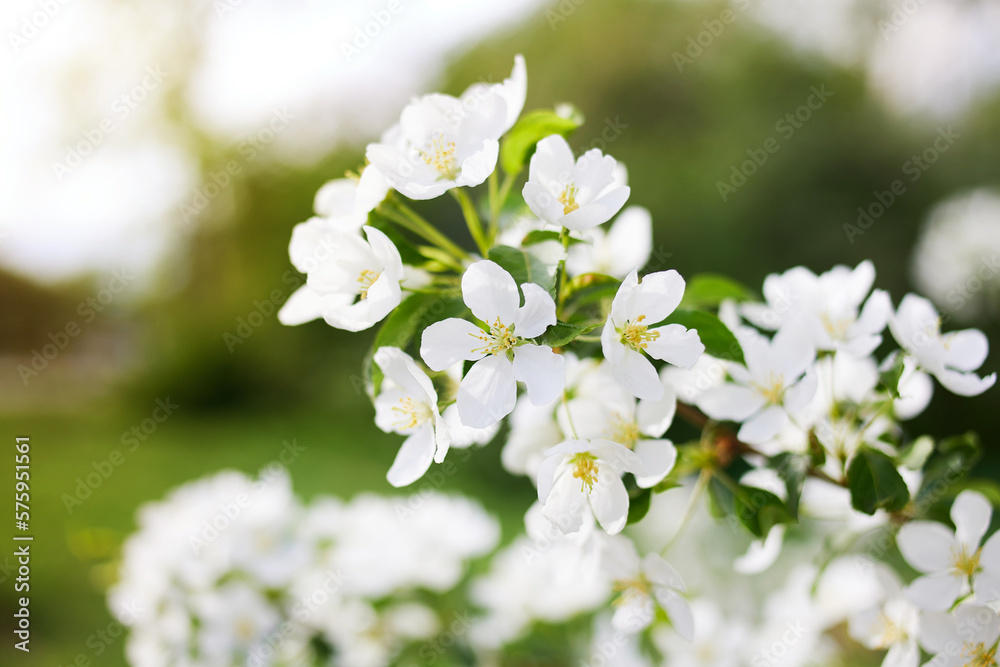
[
  {"x": 614, "y": 383},
  {"x": 231, "y": 570}
]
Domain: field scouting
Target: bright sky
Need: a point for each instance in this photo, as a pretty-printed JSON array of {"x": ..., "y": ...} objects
[{"x": 93, "y": 173}]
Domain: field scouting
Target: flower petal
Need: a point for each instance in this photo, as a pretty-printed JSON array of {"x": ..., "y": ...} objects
[
  {"x": 542, "y": 371},
  {"x": 445, "y": 343},
  {"x": 491, "y": 293},
  {"x": 965, "y": 384},
  {"x": 658, "y": 458},
  {"x": 306, "y": 304},
  {"x": 971, "y": 513},
  {"x": 678, "y": 610},
  {"x": 660, "y": 572},
  {"x": 763, "y": 426},
  {"x": 414, "y": 457},
  {"x": 935, "y": 592},
  {"x": 477, "y": 167},
  {"x": 634, "y": 613},
  {"x": 676, "y": 345},
  {"x": 537, "y": 314},
  {"x": 487, "y": 393},
  {"x": 636, "y": 374},
  {"x": 655, "y": 297},
  {"x": 399, "y": 367},
  {"x": 966, "y": 350},
  {"x": 655, "y": 417},
  {"x": 926, "y": 546},
  {"x": 730, "y": 402},
  {"x": 609, "y": 500}
]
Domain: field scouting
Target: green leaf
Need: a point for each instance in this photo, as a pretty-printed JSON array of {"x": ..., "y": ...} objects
[
  {"x": 889, "y": 378},
  {"x": 720, "y": 499},
  {"x": 543, "y": 235},
  {"x": 525, "y": 267},
  {"x": 792, "y": 468},
  {"x": 562, "y": 333},
  {"x": 953, "y": 461},
  {"x": 589, "y": 288},
  {"x": 875, "y": 483},
  {"x": 718, "y": 340},
  {"x": 917, "y": 452},
  {"x": 408, "y": 252},
  {"x": 638, "y": 505},
  {"x": 759, "y": 510},
  {"x": 401, "y": 327},
  {"x": 706, "y": 290},
  {"x": 519, "y": 144}
]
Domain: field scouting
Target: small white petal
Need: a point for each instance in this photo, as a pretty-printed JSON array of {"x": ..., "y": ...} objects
[
  {"x": 609, "y": 500},
  {"x": 730, "y": 402},
  {"x": 658, "y": 458},
  {"x": 637, "y": 375},
  {"x": 414, "y": 457},
  {"x": 927, "y": 546},
  {"x": 935, "y": 592},
  {"x": 676, "y": 345},
  {"x": 488, "y": 392},
  {"x": 537, "y": 314},
  {"x": 679, "y": 611},
  {"x": 542, "y": 371},
  {"x": 971, "y": 513},
  {"x": 966, "y": 350},
  {"x": 450, "y": 341},
  {"x": 763, "y": 426},
  {"x": 965, "y": 384},
  {"x": 491, "y": 293},
  {"x": 655, "y": 297},
  {"x": 655, "y": 417}
]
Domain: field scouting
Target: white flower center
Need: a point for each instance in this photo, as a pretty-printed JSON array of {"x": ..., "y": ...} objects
[
  {"x": 366, "y": 279},
  {"x": 499, "y": 340},
  {"x": 568, "y": 199},
  {"x": 979, "y": 655},
  {"x": 637, "y": 335},
  {"x": 962, "y": 562},
  {"x": 773, "y": 389},
  {"x": 585, "y": 469},
  {"x": 411, "y": 414},
  {"x": 440, "y": 156}
]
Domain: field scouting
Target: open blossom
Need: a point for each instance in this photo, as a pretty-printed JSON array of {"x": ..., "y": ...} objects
[
  {"x": 350, "y": 283},
  {"x": 407, "y": 405},
  {"x": 344, "y": 203},
  {"x": 502, "y": 351},
  {"x": 625, "y": 246},
  {"x": 601, "y": 408},
  {"x": 778, "y": 378},
  {"x": 644, "y": 582},
  {"x": 443, "y": 142},
  {"x": 627, "y": 334},
  {"x": 580, "y": 473},
  {"x": 829, "y": 306},
  {"x": 892, "y": 624},
  {"x": 575, "y": 194},
  {"x": 966, "y": 637},
  {"x": 949, "y": 559},
  {"x": 952, "y": 358}
]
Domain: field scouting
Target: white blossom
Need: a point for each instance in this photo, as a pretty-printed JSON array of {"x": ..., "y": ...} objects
[{"x": 625, "y": 246}]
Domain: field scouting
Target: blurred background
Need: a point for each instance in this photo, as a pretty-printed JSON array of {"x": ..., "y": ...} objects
[{"x": 155, "y": 156}]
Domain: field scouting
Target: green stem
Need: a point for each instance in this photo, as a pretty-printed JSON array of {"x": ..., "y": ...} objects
[
  {"x": 561, "y": 272},
  {"x": 569, "y": 417},
  {"x": 472, "y": 220},
  {"x": 406, "y": 217},
  {"x": 699, "y": 489},
  {"x": 496, "y": 204}
]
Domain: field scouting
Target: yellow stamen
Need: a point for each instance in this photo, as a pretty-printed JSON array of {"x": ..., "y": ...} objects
[
  {"x": 623, "y": 431},
  {"x": 568, "y": 199},
  {"x": 630, "y": 588},
  {"x": 499, "y": 340},
  {"x": 773, "y": 390},
  {"x": 836, "y": 328},
  {"x": 637, "y": 335},
  {"x": 440, "y": 155},
  {"x": 889, "y": 633},
  {"x": 585, "y": 469},
  {"x": 979, "y": 655},
  {"x": 411, "y": 413},
  {"x": 965, "y": 563},
  {"x": 366, "y": 279}
]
